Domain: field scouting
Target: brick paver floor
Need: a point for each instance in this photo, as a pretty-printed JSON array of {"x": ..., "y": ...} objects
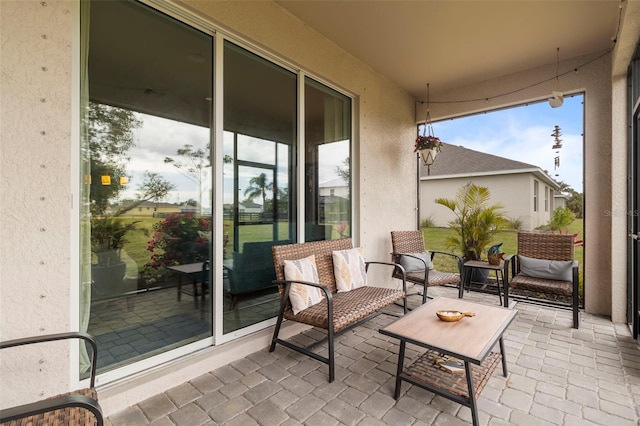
[{"x": 557, "y": 375}]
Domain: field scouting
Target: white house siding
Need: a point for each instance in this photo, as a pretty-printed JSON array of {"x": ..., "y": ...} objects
[
  {"x": 513, "y": 191},
  {"x": 39, "y": 163}
]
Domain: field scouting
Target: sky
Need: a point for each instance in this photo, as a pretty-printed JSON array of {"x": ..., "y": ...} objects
[
  {"x": 520, "y": 133},
  {"x": 523, "y": 133}
]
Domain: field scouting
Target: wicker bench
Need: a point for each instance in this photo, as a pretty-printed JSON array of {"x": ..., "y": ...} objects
[{"x": 337, "y": 311}]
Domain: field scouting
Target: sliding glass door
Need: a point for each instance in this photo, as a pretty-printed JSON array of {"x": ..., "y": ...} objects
[
  {"x": 146, "y": 184},
  {"x": 152, "y": 284},
  {"x": 260, "y": 104}
]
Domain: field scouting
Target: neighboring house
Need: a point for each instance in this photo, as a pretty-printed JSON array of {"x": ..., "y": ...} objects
[
  {"x": 337, "y": 187},
  {"x": 152, "y": 209},
  {"x": 334, "y": 201},
  {"x": 249, "y": 207},
  {"x": 525, "y": 191},
  {"x": 560, "y": 200}
]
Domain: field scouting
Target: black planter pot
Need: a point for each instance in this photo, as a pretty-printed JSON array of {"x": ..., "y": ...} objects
[
  {"x": 107, "y": 280},
  {"x": 479, "y": 276}
]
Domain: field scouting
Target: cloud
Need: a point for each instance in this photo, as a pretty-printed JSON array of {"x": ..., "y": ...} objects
[{"x": 524, "y": 134}]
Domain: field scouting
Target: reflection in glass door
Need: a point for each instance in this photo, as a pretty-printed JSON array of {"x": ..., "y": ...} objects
[
  {"x": 146, "y": 138},
  {"x": 259, "y": 205}
]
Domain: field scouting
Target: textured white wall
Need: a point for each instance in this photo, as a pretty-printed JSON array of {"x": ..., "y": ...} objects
[
  {"x": 513, "y": 192},
  {"x": 595, "y": 80},
  {"x": 35, "y": 240}
]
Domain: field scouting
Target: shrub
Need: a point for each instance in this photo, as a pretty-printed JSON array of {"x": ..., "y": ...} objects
[
  {"x": 561, "y": 218},
  {"x": 428, "y": 223},
  {"x": 514, "y": 223},
  {"x": 179, "y": 239}
]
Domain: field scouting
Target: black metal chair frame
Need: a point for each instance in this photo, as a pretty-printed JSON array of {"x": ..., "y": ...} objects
[{"x": 62, "y": 401}]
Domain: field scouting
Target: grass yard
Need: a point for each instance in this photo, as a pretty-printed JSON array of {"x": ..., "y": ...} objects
[{"x": 436, "y": 239}]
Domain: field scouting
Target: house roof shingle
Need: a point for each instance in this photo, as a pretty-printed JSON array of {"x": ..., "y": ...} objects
[{"x": 458, "y": 160}]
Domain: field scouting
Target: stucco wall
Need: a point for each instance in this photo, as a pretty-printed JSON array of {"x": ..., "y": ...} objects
[
  {"x": 35, "y": 167},
  {"x": 595, "y": 80}
]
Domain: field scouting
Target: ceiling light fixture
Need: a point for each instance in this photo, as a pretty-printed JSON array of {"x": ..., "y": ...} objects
[{"x": 556, "y": 98}]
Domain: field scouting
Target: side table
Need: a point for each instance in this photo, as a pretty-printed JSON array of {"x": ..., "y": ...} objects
[{"x": 479, "y": 264}]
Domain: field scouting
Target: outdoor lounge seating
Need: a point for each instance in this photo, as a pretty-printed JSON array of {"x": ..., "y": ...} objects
[
  {"x": 336, "y": 311},
  {"x": 545, "y": 268},
  {"x": 252, "y": 270},
  {"x": 407, "y": 248},
  {"x": 79, "y": 407}
]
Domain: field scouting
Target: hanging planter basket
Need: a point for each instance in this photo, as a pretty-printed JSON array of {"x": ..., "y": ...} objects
[{"x": 428, "y": 155}]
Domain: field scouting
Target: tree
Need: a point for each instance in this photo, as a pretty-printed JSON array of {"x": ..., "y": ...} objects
[
  {"x": 476, "y": 221},
  {"x": 344, "y": 171},
  {"x": 110, "y": 136},
  {"x": 574, "y": 198},
  {"x": 193, "y": 162},
  {"x": 258, "y": 187},
  {"x": 153, "y": 188}
]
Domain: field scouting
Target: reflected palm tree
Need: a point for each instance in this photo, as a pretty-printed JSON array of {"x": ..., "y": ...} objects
[{"x": 258, "y": 187}]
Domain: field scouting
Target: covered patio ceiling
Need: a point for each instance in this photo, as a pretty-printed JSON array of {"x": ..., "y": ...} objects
[{"x": 452, "y": 44}]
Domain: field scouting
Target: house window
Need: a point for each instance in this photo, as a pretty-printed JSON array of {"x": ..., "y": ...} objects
[
  {"x": 546, "y": 198},
  {"x": 147, "y": 96},
  {"x": 535, "y": 195}
]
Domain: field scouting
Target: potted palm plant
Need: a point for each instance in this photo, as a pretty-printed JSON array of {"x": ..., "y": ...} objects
[
  {"x": 107, "y": 240},
  {"x": 476, "y": 222}
]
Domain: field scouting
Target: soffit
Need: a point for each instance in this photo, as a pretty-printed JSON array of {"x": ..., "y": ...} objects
[{"x": 459, "y": 43}]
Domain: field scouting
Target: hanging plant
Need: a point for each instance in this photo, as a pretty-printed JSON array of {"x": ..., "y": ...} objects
[{"x": 427, "y": 144}]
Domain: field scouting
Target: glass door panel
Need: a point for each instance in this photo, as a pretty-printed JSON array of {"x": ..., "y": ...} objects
[
  {"x": 259, "y": 139},
  {"x": 327, "y": 163},
  {"x": 146, "y": 215}
]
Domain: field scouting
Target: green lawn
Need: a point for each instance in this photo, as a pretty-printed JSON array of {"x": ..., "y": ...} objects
[{"x": 435, "y": 239}]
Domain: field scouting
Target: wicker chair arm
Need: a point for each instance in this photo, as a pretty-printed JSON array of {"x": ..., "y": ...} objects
[
  {"x": 397, "y": 256},
  {"x": 59, "y": 336},
  {"x": 53, "y": 404},
  {"x": 458, "y": 259},
  {"x": 396, "y": 266},
  {"x": 287, "y": 284},
  {"x": 63, "y": 401}
]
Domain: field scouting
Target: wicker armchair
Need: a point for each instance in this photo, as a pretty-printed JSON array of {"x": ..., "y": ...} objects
[
  {"x": 79, "y": 407},
  {"x": 405, "y": 242},
  {"x": 550, "y": 248}
]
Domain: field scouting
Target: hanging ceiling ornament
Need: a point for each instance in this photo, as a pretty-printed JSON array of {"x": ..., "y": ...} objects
[
  {"x": 556, "y": 98},
  {"x": 427, "y": 145}
]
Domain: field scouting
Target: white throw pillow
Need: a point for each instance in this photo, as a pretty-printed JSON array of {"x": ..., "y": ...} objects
[
  {"x": 302, "y": 296},
  {"x": 411, "y": 264},
  {"x": 560, "y": 270},
  {"x": 349, "y": 269}
]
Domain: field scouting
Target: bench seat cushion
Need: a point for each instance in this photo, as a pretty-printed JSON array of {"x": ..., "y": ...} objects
[
  {"x": 348, "y": 307},
  {"x": 525, "y": 282}
]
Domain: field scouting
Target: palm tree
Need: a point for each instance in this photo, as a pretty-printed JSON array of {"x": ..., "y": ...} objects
[
  {"x": 476, "y": 221},
  {"x": 258, "y": 186}
]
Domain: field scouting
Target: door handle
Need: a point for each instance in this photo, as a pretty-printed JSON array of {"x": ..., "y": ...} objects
[{"x": 634, "y": 237}]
